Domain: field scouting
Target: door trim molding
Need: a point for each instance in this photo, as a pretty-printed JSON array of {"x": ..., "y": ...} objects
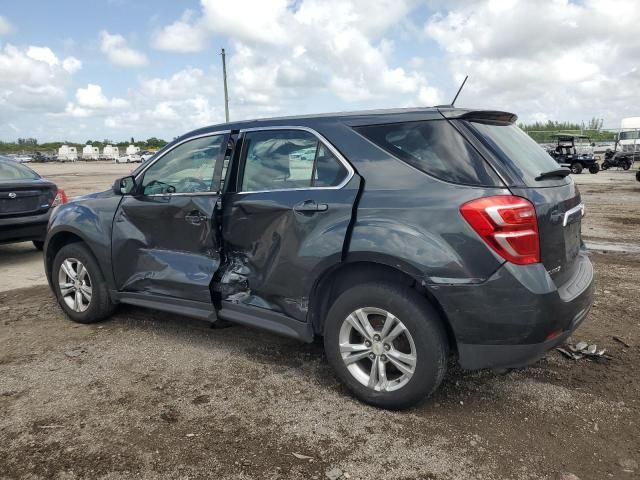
[{"x": 180, "y": 306}]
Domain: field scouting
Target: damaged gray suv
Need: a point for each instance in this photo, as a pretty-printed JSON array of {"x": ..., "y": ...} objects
[{"x": 403, "y": 237}]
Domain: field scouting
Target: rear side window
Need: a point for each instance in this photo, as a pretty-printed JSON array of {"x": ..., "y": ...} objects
[
  {"x": 434, "y": 147},
  {"x": 288, "y": 159}
]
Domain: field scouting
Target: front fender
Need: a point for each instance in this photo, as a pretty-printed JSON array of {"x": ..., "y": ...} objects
[{"x": 91, "y": 220}]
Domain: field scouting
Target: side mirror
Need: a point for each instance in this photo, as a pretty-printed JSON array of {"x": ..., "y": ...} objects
[{"x": 124, "y": 185}]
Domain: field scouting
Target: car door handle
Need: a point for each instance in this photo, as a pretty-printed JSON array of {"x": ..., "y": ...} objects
[
  {"x": 195, "y": 218},
  {"x": 311, "y": 206}
]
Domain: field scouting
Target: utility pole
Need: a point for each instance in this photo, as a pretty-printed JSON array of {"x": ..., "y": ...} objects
[{"x": 226, "y": 94}]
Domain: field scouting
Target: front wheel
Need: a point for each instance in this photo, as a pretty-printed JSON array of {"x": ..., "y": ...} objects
[
  {"x": 594, "y": 168},
  {"x": 605, "y": 165},
  {"x": 79, "y": 285},
  {"x": 576, "y": 167},
  {"x": 387, "y": 344}
]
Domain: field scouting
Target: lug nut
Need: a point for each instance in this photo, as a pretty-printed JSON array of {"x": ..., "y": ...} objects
[
  {"x": 372, "y": 356},
  {"x": 376, "y": 338},
  {"x": 387, "y": 347},
  {"x": 383, "y": 358},
  {"x": 367, "y": 343}
]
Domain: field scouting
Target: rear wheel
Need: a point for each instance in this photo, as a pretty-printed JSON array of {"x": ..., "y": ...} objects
[
  {"x": 626, "y": 165},
  {"x": 594, "y": 168},
  {"x": 605, "y": 165},
  {"x": 79, "y": 285},
  {"x": 638, "y": 176},
  {"x": 576, "y": 167},
  {"x": 387, "y": 344}
]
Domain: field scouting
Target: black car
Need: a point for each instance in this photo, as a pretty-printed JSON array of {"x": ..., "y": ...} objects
[
  {"x": 400, "y": 236},
  {"x": 566, "y": 154},
  {"x": 26, "y": 200}
]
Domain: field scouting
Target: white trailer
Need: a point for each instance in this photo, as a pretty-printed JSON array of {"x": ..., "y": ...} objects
[
  {"x": 132, "y": 150},
  {"x": 110, "y": 152},
  {"x": 67, "y": 154},
  {"x": 89, "y": 152},
  {"x": 629, "y": 136}
]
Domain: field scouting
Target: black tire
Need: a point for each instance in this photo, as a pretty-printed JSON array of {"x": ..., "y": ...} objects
[
  {"x": 594, "y": 168},
  {"x": 100, "y": 305},
  {"x": 576, "y": 167},
  {"x": 420, "y": 319},
  {"x": 626, "y": 166},
  {"x": 638, "y": 176},
  {"x": 39, "y": 244},
  {"x": 605, "y": 165}
]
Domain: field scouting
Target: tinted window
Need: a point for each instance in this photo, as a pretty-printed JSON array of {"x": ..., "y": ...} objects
[
  {"x": 10, "y": 170},
  {"x": 511, "y": 144},
  {"x": 188, "y": 168},
  {"x": 285, "y": 159},
  {"x": 434, "y": 147}
]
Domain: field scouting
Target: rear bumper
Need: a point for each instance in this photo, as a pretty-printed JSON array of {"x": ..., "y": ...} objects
[
  {"x": 474, "y": 357},
  {"x": 507, "y": 321},
  {"x": 22, "y": 229}
]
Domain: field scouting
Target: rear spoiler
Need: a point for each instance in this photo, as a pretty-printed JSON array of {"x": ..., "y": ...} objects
[{"x": 480, "y": 115}]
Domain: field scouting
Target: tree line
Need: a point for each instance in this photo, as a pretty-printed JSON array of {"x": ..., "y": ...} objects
[
  {"x": 542, "y": 132},
  {"x": 30, "y": 145}
]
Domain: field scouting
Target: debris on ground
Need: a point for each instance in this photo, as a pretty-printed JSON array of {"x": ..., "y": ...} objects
[
  {"x": 581, "y": 350},
  {"x": 621, "y": 340},
  {"x": 334, "y": 474},
  {"x": 299, "y": 456}
]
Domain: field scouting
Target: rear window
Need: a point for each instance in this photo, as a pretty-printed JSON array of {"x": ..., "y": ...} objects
[
  {"x": 434, "y": 147},
  {"x": 10, "y": 170},
  {"x": 516, "y": 149}
]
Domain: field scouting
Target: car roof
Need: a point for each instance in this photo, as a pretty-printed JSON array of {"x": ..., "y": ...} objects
[{"x": 364, "y": 117}]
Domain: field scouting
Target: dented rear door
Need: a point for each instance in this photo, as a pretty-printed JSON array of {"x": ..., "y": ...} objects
[{"x": 285, "y": 220}]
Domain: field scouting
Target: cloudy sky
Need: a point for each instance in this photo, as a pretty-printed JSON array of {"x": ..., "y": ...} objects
[{"x": 77, "y": 70}]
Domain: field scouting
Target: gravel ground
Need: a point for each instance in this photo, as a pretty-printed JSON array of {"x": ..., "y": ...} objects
[{"x": 148, "y": 395}]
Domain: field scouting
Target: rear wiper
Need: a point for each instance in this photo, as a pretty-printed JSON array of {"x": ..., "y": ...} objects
[{"x": 557, "y": 173}]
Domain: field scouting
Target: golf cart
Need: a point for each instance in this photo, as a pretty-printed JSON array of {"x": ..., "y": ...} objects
[{"x": 575, "y": 152}]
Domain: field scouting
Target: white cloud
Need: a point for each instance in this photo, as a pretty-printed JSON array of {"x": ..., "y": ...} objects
[
  {"x": 181, "y": 36},
  {"x": 5, "y": 26},
  {"x": 71, "y": 64},
  {"x": 284, "y": 52},
  {"x": 33, "y": 78},
  {"x": 118, "y": 52},
  {"x": 551, "y": 59}
]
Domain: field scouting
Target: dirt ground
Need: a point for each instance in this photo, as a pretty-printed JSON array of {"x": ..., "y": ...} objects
[{"x": 148, "y": 395}]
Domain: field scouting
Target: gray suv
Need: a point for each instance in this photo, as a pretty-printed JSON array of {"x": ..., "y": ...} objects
[{"x": 402, "y": 237}]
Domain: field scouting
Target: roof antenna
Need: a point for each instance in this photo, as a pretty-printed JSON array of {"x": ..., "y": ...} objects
[{"x": 459, "y": 90}]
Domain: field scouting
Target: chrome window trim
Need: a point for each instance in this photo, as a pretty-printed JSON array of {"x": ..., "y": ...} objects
[
  {"x": 325, "y": 142},
  {"x": 182, "y": 194}
]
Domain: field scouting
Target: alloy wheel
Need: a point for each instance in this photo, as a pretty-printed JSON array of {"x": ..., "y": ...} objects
[
  {"x": 377, "y": 349},
  {"x": 75, "y": 284}
]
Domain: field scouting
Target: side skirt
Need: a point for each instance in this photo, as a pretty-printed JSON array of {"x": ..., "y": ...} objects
[{"x": 244, "y": 315}]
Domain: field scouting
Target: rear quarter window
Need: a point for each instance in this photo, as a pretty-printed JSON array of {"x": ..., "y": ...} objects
[{"x": 434, "y": 147}]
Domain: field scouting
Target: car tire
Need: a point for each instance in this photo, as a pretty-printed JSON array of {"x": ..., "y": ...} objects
[
  {"x": 423, "y": 341},
  {"x": 39, "y": 244},
  {"x": 87, "y": 299},
  {"x": 576, "y": 168}
]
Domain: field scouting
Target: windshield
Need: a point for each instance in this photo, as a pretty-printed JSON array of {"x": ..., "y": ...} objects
[
  {"x": 516, "y": 149},
  {"x": 632, "y": 135},
  {"x": 10, "y": 170}
]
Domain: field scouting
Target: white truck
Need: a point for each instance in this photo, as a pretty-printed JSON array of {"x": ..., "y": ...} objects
[{"x": 627, "y": 148}]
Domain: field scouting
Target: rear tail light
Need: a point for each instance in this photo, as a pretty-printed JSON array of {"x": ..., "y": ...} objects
[
  {"x": 59, "y": 199},
  {"x": 508, "y": 225}
]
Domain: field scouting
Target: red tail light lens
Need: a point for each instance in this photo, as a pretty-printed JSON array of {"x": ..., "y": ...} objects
[
  {"x": 59, "y": 199},
  {"x": 509, "y": 226}
]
